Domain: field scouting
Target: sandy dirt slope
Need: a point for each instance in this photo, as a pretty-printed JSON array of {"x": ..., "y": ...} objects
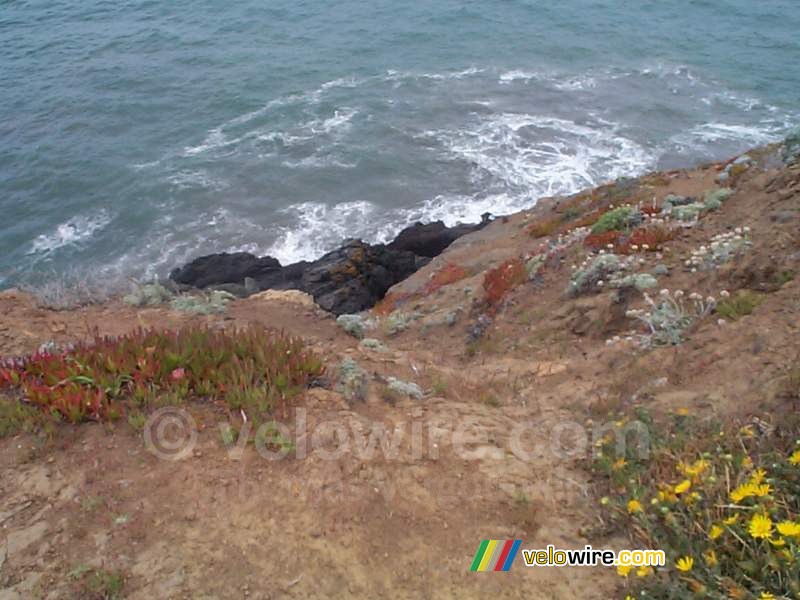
[{"x": 408, "y": 527}]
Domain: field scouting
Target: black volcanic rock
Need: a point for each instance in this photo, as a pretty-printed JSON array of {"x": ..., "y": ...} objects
[
  {"x": 225, "y": 268},
  {"x": 350, "y": 279},
  {"x": 356, "y": 276},
  {"x": 430, "y": 239}
]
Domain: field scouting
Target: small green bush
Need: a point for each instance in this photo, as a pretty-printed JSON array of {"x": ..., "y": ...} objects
[
  {"x": 741, "y": 304},
  {"x": 617, "y": 219}
]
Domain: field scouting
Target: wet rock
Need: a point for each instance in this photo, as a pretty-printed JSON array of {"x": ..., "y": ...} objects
[
  {"x": 355, "y": 276},
  {"x": 430, "y": 239},
  {"x": 216, "y": 269},
  {"x": 350, "y": 279}
]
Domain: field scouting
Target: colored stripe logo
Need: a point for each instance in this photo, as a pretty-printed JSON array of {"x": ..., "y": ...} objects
[{"x": 495, "y": 555}]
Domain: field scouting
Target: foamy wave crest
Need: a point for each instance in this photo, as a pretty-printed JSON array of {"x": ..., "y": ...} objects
[
  {"x": 341, "y": 120},
  {"x": 537, "y": 156},
  {"x": 213, "y": 140},
  {"x": 69, "y": 233},
  {"x": 319, "y": 228},
  {"x": 744, "y": 134},
  {"x": 318, "y": 162},
  {"x": 455, "y": 209},
  {"x": 396, "y": 76},
  {"x": 516, "y": 75}
]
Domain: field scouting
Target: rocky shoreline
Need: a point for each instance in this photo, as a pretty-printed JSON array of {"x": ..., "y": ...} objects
[{"x": 352, "y": 278}]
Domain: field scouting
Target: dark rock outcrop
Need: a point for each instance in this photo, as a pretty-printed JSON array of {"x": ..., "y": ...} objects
[
  {"x": 430, "y": 239},
  {"x": 350, "y": 279},
  {"x": 356, "y": 276},
  {"x": 225, "y": 268}
]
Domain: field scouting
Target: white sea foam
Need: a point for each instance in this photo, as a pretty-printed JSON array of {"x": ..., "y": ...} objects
[
  {"x": 746, "y": 134},
  {"x": 318, "y": 228},
  {"x": 71, "y": 232},
  {"x": 318, "y": 162},
  {"x": 516, "y": 75},
  {"x": 396, "y": 76},
  {"x": 213, "y": 140},
  {"x": 147, "y": 165},
  {"x": 511, "y": 158},
  {"x": 537, "y": 155},
  {"x": 341, "y": 120}
]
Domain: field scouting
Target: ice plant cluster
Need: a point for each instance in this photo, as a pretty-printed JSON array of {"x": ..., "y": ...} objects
[
  {"x": 669, "y": 316},
  {"x": 721, "y": 501},
  {"x": 252, "y": 369},
  {"x": 722, "y": 248}
]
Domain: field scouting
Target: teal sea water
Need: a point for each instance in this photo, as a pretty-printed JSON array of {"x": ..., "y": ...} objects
[{"x": 137, "y": 134}]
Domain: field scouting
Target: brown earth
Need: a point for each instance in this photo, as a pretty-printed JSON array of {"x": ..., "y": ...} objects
[{"x": 210, "y": 526}]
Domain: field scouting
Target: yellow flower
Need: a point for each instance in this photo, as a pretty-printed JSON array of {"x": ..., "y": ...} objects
[
  {"x": 715, "y": 532},
  {"x": 747, "y": 462},
  {"x": 747, "y": 431},
  {"x": 634, "y": 506},
  {"x": 758, "y": 476},
  {"x": 789, "y": 529},
  {"x": 760, "y": 526},
  {"x": 644, "y": 571},
  {"x": 710, "y": 557},
  {"x": 743, "y": 491},
  {"x": 685, "y": 564},
  {"x": 667, "y": 496},
  {"x": 730, "y": 520},
  {"x": 794, "y": 459},
  {"x": 682, "y": 411},
  {"x": 624, "y": 570},
  {"x": 683, "y": 486},
  {"x": 618, "y": 464},
  {"x": 766, "y": 596},
  {"x": 778, "y": 543},
  {"x": 696, "y": 468},
  {"x": 762, "y": 490}
]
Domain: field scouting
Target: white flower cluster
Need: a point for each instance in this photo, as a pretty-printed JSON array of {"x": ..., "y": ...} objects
[
  {"x": 667, "y": 317},
  {"x": 564, "y": 241},
  {"x": 722, "y": 248},
  {"x": 595, "y": 271}
]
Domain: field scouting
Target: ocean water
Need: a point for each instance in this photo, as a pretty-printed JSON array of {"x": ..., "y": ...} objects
[{"x": 137, "y": 134}]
